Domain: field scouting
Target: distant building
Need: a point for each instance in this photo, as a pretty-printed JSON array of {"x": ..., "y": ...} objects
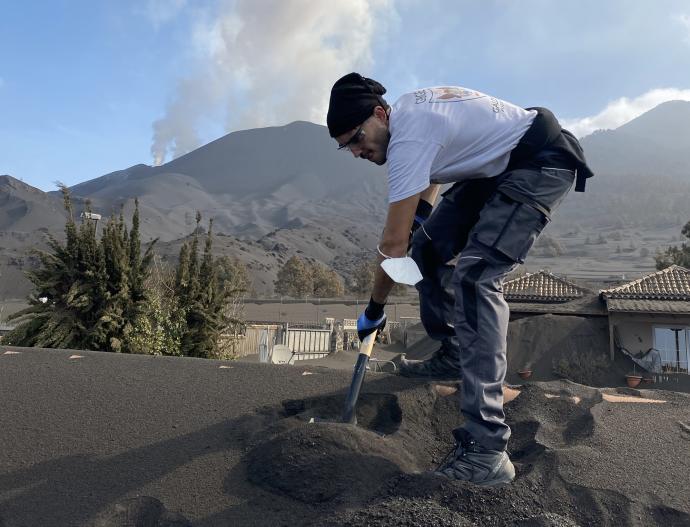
[
  {"x": 648, "y": 318},
  {"x": 652, "y": 315},
  {"x": 543, "y": 293}
]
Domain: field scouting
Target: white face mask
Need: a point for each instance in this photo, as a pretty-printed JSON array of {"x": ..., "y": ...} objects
[{"x": 402, "y": 270}]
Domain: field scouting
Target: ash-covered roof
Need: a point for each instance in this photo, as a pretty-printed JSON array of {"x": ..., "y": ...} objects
[
  {"x": 675, "y": 307},
  {"x": 589, "y": 305},
  {"x": 541, "y": 286},
  {"x": 672, "y": 283}
]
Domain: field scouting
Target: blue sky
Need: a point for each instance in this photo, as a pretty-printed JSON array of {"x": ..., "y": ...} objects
[{"x": 89, "y": 87}]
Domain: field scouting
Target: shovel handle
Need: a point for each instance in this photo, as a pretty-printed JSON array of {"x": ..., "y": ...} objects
[
  {"x": 367, "y": 344},
  {"x": 365, "y": 349}
]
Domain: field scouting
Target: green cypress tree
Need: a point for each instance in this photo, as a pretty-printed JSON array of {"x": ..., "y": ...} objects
[
  {"x": 190, "y": 299},
  {"x": 139, "y": 266},
  {"x": 83, "y": 297},
  {"x": 204, "y": 308},
  {"x": 205, "y": 298},
  {"x": 113, "y": 319},
  {"x": 211, "y": 301},
  {"x": 193, "y": 285},
  {"x": 143, "y": 324},
  {"x": 182, "y": 273},
  {"x": 48, "y": 321}
]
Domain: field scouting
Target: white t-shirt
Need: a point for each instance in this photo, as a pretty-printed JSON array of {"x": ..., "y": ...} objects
[{"x": 448, "y": 134}]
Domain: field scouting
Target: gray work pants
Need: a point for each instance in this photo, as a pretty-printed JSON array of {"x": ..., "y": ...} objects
[{"x": 480, "y": 231}]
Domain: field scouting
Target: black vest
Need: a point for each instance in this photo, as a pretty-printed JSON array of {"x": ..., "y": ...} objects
[{"x": 546, "y": 144}]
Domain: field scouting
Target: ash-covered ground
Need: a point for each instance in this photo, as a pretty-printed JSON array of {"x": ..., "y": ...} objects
[{"x": 109, "y": 440}]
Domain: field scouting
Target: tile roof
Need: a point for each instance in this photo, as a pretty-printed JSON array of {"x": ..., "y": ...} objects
[
  {"x": 541, "y": 286},
  {"x": 677, "y": 307},
  {"x": 672, "y": 283},
  {"x": 591, "y": 305}
]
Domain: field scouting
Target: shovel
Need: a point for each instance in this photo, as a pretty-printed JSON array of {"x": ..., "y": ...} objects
[
  {"x": 349, "y": 415},
  {"x": 403, "y": 271}
]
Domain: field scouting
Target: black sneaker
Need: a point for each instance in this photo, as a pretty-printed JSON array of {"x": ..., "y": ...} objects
[
  {"x": 470, "y": 462},
  {"x": 443, "y": 365}
]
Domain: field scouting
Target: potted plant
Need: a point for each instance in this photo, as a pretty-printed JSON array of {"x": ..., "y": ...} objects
[
  {"x": 525, "y": 373},
  {"x": 633, "y": 379}
]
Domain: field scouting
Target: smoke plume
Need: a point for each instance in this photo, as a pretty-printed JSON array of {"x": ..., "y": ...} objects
[{"x": 268, "y": 63}]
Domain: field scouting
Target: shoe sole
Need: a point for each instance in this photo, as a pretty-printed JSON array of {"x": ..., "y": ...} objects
[
  {"x": 508, "y": 477},
  {"x": 505, "y": 480},
  {"x": 496, "y": 482}
]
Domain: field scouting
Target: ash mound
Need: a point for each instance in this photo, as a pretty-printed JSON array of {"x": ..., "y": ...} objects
[
  {"x": 327, "y": 461},
  {"x": 401, "y": 512},
  {"x": 379, "y": 473},
  {"x": 140, "y": 511},
  {"x": 319, "y": 463}
]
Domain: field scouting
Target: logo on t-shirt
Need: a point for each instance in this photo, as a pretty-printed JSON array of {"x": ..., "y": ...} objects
[{"x": 446, "y": 94}]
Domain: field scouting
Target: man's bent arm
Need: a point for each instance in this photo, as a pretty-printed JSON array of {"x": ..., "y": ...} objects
[
  {"x": 431, "y": 193},
  {"x": 394, "y": 242}
]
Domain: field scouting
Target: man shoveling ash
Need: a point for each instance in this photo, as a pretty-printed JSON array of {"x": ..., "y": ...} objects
[{"x": 510, "y": 168}]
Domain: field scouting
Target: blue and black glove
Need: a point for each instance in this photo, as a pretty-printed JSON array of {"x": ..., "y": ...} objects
[
  {"x": 422, "y": 214},
  {"x": 373, "y": 319}
]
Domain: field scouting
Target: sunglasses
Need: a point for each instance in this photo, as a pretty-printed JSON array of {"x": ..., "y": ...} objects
[{"x": 354, "y": 140}]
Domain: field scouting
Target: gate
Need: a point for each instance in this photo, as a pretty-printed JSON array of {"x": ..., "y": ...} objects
[{"x": 308, "y": 343}]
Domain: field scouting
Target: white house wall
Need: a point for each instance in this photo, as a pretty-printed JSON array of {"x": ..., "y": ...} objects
[{"x": 636, "y": 331}]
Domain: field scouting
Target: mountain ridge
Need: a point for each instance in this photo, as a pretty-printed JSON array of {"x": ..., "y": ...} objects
[
  {"x": 288, "y": 188},
  {"x": 656, "y": 142}
]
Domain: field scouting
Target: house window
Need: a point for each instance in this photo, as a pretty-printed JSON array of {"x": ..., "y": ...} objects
[{"x": 673, "y": 344}]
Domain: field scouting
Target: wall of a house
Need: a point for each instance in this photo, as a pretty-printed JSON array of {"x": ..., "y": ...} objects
[
  {"x": 561, "y": 346},
  {"x": 635, "y": 331}
]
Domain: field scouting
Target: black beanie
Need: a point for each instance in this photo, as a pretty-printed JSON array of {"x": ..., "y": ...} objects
[{"x": 353, "y": 98}]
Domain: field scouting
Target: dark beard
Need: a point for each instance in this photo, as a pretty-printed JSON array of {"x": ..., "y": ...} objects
[{"x": 384, "y": 149}]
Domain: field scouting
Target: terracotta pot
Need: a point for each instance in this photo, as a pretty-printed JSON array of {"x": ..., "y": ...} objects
[
  {"x": 525, "y": 374},
  {"x": 633, "y": 380}
]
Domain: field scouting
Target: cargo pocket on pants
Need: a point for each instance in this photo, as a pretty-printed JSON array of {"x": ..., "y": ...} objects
[{"x": 510, "y": 227}]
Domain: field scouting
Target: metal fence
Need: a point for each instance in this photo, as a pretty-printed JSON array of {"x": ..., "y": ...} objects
[
  {"x": 249, "y": 342},
  {"x": 306, "y": 341}
]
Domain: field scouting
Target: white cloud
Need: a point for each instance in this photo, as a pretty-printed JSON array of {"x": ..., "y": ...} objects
[
  {"x": 268, "y": 63},
  {"x": 161, "y": 12},
  {"x": 624, "y": 110}
]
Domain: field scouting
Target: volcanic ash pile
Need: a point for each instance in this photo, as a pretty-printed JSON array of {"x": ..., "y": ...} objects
[{"x": 379, "y": 472}]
